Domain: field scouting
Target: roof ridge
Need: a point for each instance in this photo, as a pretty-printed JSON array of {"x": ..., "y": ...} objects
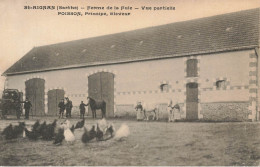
[
  {"x": 207, "y": 34},
  {"x": 151, "y": 27}
]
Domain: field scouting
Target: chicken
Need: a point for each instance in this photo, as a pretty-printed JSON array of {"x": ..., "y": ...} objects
[
  {"x": 36, "y": 126},
  {"x": 69, "y": 136},
  {"x": 88, "y": 136},
  {"x": 85, "y": 137},
  {"x": 92, "y": 132},
  {"x": 48, "y": 131},
  {"x": 110, "y": 131},
  {"x": 7, "y": 129},
  {"x": 18, "y": 130},
  {"x": 72, "y": 128},
  {"x": 102, "y": 124},
  {"x": 32, "y": 135},
  {"x": 9, "y": 133},
  {"x": 41, "y": 128},
  {"x": 122, "y": 132},
  {"x": 80, "y": 124},
  {"x": 99, "y": 134},
  {"x": 59, "y": 137}
]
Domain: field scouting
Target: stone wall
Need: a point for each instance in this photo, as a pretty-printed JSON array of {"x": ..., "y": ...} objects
[{"x": 225, "y": 111}]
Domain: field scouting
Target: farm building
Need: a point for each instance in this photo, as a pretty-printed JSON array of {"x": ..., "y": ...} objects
[{"x": 209, "y": 66}]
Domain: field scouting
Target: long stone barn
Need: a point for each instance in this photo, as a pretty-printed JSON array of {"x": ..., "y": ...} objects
[{"x": 210, "y": 66}]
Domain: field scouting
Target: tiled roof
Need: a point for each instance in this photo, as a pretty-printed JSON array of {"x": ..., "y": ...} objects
[{"x": 232, "y": 31}]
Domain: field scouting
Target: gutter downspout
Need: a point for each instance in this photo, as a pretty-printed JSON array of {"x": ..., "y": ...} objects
[{"x": 257, "y": 52}]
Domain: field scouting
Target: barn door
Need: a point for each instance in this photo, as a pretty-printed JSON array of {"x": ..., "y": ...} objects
[
  {"x": 101, "y": 87},
  {"x": 34, "y": 89},
  {"x": 54, "y": 97},
  {"x": 107, "y": 92},
  {"x": 192, "y": 101}
]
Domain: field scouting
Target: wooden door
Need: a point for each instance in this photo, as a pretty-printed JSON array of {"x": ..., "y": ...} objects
[
  {"x": 192, "y": 101},
  {"x": 54, "y": 97},
  {"x": 101, "y": 87},
  {"x": 34, "y": 89}
]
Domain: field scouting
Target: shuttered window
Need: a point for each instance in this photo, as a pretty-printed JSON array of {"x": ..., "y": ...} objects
[
  {"x": 221, "y": 84},
  {"x": 164, "y": 87},
  {"x": 192, "y": 68}
]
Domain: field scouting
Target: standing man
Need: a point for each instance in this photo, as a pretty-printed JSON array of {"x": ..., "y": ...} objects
[
  {"x": 68, "y": 107},
  {"x": 27, "y": 107},
  {"x": 82, "y": 109},
  {"x": 62, "y": 108}
]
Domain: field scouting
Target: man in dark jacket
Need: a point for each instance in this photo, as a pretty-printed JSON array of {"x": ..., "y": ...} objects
[
  {"x": 68, "y": 107},
  {"x": 82, "y": 109},
  {"x": 27, "y": 107},
  {"x": 62, "y": 108}
]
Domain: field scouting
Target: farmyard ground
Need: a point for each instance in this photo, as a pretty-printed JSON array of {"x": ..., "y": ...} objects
[{"x": 149, "y": 143}]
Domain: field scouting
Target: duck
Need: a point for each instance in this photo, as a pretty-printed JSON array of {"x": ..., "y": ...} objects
[{"x": 80, "y": 124}]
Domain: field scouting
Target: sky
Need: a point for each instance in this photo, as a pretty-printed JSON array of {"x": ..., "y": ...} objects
[{"x": 22, "y": 29}]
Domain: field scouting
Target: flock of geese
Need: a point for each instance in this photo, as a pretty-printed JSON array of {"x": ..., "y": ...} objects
[{"x": 101, "y": 131}]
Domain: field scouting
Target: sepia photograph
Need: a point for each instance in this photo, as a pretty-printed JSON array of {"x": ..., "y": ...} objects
[{"x": 129, "y": 83}]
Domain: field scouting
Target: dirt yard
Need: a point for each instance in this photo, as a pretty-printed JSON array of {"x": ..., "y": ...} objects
[{"x": 149, "y": 143}]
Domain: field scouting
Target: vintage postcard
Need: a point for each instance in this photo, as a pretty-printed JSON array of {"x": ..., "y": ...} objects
[{"x": 129, "y": 83}]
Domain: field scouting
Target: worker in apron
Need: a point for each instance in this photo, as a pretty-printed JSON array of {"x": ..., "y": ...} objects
[{"x": 139, "y": 109}]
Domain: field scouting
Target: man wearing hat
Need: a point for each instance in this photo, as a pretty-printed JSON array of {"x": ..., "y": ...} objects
[
  {"x": 68, "y": 107},
  {"x": 27, "y": 107},
  {"x": 62, "y": 108},
  {"x": 82, "y": 109}
]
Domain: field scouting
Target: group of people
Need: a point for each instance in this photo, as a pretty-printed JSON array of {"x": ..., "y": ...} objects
[
  {"x": 171, "y": 109},
  {"x": 68, "y": 107},
  {"x": 65, "y": 106}
]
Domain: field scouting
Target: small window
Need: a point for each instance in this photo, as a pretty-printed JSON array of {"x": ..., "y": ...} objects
[
  {"x": 192, "y": 68},
  {"x": 164, "y": 87},
  {"x": 221, "y": 84}
]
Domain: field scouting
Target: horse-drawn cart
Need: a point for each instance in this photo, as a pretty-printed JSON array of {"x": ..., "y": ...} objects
[{"x": 11, "y": 103}]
